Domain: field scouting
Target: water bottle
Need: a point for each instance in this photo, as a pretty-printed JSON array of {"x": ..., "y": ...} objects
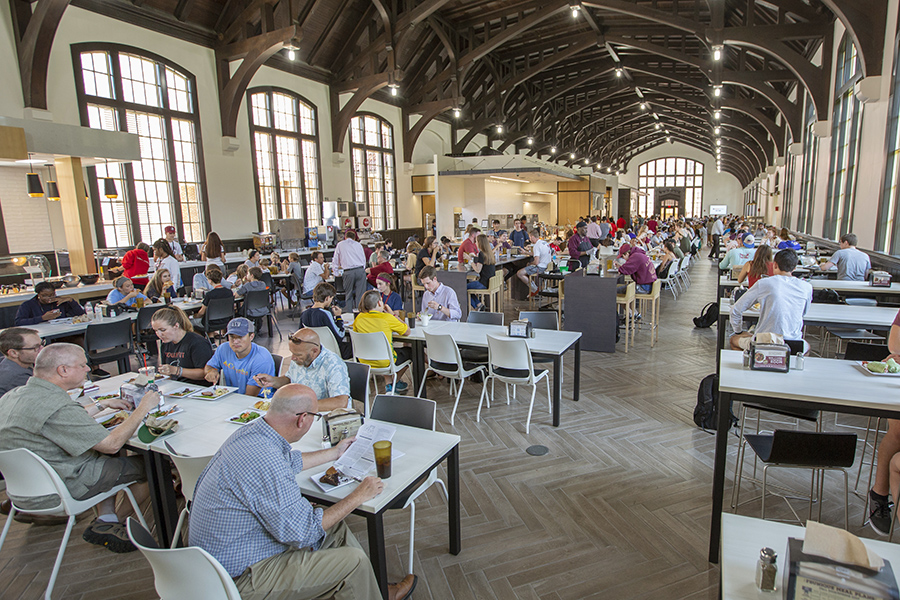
[
  {"x": 89, "y": 311},
  {"x": 98, "y": 312}
]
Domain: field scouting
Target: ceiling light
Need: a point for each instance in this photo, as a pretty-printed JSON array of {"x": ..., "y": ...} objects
[
  {"x": 499, "y": 128},
  {"x": 553, "y": 150},
  {"x": 509, "y": 179},
  {"x": 571, "y": 155},
  {"x": 717, "y": 91},
  {"x": 52, "y": 188},
  {"x": 718, "y": 142},
  {"x": 668, "y": 138},
  {"x": 33, "y": 183},
  {"x": 718, "y": 50},
  {"x": 717, "y": 115},
  {"x": 456, "y": 113},
  {"x": 394, "y": 88},
  {"x": 608, "y": 170},
  {"x": 576, "y": 8},
  {"x": 529, "y": 141},
  {"x": 291, "y": 52},
  {"x": 599, "y": 166},
  {"x": 586, "y": 161},
  {"x": 718, "y": 130},
  {"x": 657, "y": 126},
  {"x": 619, "y": 72},
  {"x": 109, "y": 188},
  {"x": 618, "y": 173},
  {"x": 643, "y": 106}
]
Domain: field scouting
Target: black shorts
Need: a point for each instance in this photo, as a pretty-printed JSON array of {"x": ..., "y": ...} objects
[{"x": 404, "y": 353}]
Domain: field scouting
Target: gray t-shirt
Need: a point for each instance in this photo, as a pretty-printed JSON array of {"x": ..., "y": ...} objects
[
  {"x": 12, "y": 375},
  {"x": 852, "y": 264},
  {"x": 41, "y": 417}
]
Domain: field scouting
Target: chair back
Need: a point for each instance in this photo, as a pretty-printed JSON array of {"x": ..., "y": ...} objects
[
  {"x": 442, "y": 349},
  {"x": 861, "y": 301},
  {"x": 183, "y": 573},
  {"x": 279, "y": 360},
  {"x": 256, "y": 300},
  {"x": 28, "y": 475},
  {"x": 860, "y": 351},
  {"x": 327, "y": 339},
  {"x": 145, "y": 316},
  {"x": 812, "y": 449},
  {"x": 358, "y": 373},
  {"x": 509, "y": 358},
  {"x": 629, "y": 295},
  {"x": 296, "y": 284},
  {"x": 371, "y": 346},
  {"x": 267, "y": 279},
  {"x": 405, "y": 410},
  {"x": 796, "y": 346},
  {"x": 218, "y": 309},
  {"x": 189, "y": 468},
  {"x": 654, "y": 290},
  {"x": 485, "y": 318},
  {"x": 685, "y": 262},
  {"x": 541, "y": 319},
  {"x": 108, "y": 334},
  {"x": 339, "y": 284},
  {"x": 673, "y": 269}
]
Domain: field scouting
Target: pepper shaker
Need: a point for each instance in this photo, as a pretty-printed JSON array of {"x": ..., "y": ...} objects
[{"x": 766, "y": 570}]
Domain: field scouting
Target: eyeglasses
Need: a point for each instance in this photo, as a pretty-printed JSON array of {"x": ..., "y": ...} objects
[
  {"x": 41, "y": 345},
  {"x": 316, "y": 416},
  {"x": 295, "y": 340}
]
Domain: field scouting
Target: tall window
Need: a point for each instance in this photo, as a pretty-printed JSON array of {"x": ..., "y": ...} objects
[
  {"x": 787, "y": 206},
  {"x": 887, "y": 233},
  {"x": 671, "y": 172},
  {"x": 372, "y": 145},
  {"x": 845, "y": 133},
  {"x": 126, "y": 89},
  {"x": 808, "y": 170},
  {"x": 284, "y": 134}
]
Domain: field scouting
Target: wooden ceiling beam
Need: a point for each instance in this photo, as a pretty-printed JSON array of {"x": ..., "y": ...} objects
[
  {"x": 864, "y": 20},
  {"x": 34, "y": 29}
]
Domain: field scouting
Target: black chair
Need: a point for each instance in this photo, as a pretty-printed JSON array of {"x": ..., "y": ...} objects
[
  {"x": 806, "y": 450},
  {"x": 485, "y": 318},
  {"x": 220, "y": 310},
  {"x": 259, "y": 299},
  {"x": 109, "y": 341},
  {"x": 144, "y": 334},
  {"x": 861, "y": 351},
  {"x": 359, "y": 382},
  {"x": 270, "y": 285},
  {"x": 340, "y": 294},
  {"x": 278, "y": 360}
]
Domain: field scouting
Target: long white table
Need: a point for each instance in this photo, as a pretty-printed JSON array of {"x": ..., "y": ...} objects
[
  {"x": 204, "y": 427},
  {"x": 544, "y": 343},
  {"x": 824, "y": 384},
  {"x": 857, "y": 288},
  {"x": 79, "y": 292},
  {"x": 64, "y": 327},
  {"x": 742, "y": 538}
]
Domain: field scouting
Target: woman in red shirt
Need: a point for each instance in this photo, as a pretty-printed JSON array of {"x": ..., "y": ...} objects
[
  {"x": 761, "y": 266},
  {"x": 136, "y": 264}
]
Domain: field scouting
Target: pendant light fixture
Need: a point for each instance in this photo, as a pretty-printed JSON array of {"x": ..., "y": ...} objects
[
  {"x": 109, "y": 185},
  {"x": 52, "y": 188},
  {"x": 33, "y": 183}
]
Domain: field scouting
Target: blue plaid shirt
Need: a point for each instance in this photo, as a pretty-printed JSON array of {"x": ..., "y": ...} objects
[
  {"x": 326, "y": 376},
  {"x": 247, "y": 505}
]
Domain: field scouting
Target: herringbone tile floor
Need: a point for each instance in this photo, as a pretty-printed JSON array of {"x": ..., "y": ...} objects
[{"x": 619, "y": 508}]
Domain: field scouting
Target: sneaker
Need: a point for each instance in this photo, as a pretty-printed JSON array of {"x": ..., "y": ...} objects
[
  {"x": 112, "y": 535},
  {"x": 880, "y": 517},
  {"x": 401, "y": 387},
  {"x": 100, "y": 373}
]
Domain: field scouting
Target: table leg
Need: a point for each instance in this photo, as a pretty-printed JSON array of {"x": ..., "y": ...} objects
[
  {"x": 418, "y": 366},
  {"x": 375, "y": 525},
  {"x": 557, "y": 388},
  {"x": 162, "y": 496},
  {"x": 453, "y": 501},
  {"x": 576, "y": 393},
  {"x": 720, "y": 339},
  {"x": 715, "y": 527}
]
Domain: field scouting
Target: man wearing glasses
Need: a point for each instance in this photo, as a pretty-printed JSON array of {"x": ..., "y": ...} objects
[
  {"x": 317, "y": 368},
  {"x": 20, "y": 347},
  {"x": 248, "y": 513}
]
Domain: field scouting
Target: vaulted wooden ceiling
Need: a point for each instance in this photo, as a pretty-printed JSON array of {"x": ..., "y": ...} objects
[{"x": 602, "y": 80}]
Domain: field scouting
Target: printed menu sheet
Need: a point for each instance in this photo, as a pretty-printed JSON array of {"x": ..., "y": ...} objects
[{"x": 359, "y": 459}]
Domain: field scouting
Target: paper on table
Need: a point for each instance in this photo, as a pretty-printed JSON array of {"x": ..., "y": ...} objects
[
  {"x": 359, "y": 459},
  {"x": 839, "y": 545}
]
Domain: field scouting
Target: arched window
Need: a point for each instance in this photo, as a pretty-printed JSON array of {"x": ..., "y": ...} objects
[
  {"x": 808, "y": 170},
  {"x": 788, "y": 197},
  {"x": 671, "y": 173},
  {"x": 372, "y": 147},
  {"x": 127, "y": 89},
  {"x": 285, "y": 143},
  {"x": 887, "y": 233},
  {"x": 845, "y": 132}
]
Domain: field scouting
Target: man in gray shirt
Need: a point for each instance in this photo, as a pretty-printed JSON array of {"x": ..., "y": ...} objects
[
  {"x": 852, "y": 264},
  {"x": 783, "y": 300},
  {"x": 20, "y": 347}
]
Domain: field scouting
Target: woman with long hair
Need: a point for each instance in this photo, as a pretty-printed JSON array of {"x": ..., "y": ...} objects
[
  {"x": 391, "y": 299},
  {"x": 761, "y": 266},
  {"x": 213, "y": 252},
  {"x": 183, "y": 353},
  {"x": 162, "y": 255},
  {"x": 485, "y": 264},
  {"x": 427, "y": 256},
  {"x": 159, "y": 284}
]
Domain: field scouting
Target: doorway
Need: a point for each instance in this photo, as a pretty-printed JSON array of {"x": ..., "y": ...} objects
[
  {"x": 427, "y": 209},
  {"x": 669, "y": 209}
]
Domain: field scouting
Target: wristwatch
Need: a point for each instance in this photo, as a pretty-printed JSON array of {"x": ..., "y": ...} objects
[
  {"x": 98, "y": 405},
  {"x": 440, "y": 307}
]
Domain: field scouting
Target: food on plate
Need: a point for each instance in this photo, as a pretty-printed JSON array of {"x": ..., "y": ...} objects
[
  {"x": 214, "y": 392},
  {"x": 892, "y": 366},
  {"x": 182, "y": 393},
  {"x": 888, "y": 366},
  {"x": 262, "y": 405},
  {"x": 159, "y": 414},
  {"x": 245, "y": 417},
  {"x": 106, "y": 397},
  {"x": 80, "y": 319},
  {"x": 331, "y": 477},
  {"x": 116, "y": 420}
]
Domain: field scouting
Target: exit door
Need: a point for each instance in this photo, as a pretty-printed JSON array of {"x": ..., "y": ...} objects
[{"x": 669, "y": 209}]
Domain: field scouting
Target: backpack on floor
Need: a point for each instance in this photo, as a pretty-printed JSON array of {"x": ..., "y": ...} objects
[
  {"x": 708, "y": 316},
  {"x": 706, "y": 413}
]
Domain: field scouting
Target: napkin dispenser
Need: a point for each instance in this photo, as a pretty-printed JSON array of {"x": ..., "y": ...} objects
[
  {"x": 770, "y": 357},
  {"x": 521, "y": 328},
  {"x": 810, "y": 577},
  {"x": 881, "y": 279}
]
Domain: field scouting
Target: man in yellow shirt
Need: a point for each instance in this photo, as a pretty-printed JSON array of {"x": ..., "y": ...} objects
[{"x": 372, "y": 318}]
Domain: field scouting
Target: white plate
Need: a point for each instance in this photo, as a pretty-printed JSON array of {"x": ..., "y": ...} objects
[
  {"x": 106, "y": 417},
  {"x": 220, "y": 390},
  {"x": 99, "y": 397},
  {"x": 246, "y": 410},
  {"x": 175, "y": 391},
  {"x": 177, "y": 410},
  {"x": 343, "y": 479},
  {"x": 862, "y": 365}
]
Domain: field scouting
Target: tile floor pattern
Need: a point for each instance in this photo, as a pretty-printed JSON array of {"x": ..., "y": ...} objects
[{"x": 619, "y": 508}]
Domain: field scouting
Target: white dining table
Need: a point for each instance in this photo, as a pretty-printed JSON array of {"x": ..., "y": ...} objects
[
  {"x": 79, "y": 292},
  {"x": 204, "y": 425},
  {"x": 857, "y": 288},
  {"x": 65, "y": 327}
]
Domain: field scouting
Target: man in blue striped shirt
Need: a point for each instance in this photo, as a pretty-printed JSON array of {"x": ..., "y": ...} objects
[{"x": 248, "y": 512}]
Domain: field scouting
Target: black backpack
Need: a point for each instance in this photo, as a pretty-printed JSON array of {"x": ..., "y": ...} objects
[
  {"x": 706, "y": 413},
  {"x": 708, "y": 316}
]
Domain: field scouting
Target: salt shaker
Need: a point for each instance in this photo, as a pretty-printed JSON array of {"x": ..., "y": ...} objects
[
  {"x": 746, "y": 359},
  {"x": 766, "y": 570},
  {"x": 798, "y": 363}
]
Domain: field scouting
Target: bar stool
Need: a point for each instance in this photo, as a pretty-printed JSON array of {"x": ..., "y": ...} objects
[
  {"x": 628, "y": 301},
  {"x": 653, "y": 299}
]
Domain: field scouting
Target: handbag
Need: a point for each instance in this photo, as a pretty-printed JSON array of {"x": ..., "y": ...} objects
[{"x": 340, "y": 424}]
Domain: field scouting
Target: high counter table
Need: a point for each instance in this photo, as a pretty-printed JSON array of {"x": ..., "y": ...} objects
[{"x": 855, "y": 288}]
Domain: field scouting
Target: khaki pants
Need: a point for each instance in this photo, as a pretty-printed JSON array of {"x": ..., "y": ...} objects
[{"x": 339, "y": 568}]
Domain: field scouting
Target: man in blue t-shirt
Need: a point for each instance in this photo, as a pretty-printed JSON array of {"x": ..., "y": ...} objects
[{"x": 237, "y": 362}]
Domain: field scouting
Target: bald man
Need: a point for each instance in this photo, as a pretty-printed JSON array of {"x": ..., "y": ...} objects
[
  {"x": 41, "y": 417},
  {"x": 249, "y": 513},
  {"x": 316, "y": 367}
]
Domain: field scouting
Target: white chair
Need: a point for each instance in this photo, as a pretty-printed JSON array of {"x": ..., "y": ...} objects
[
  {"x": 375, "y": 347},
  {"x": 509, "y": 362},
  {"x": 671, "y": 279},
  {"x": 189, "y": 468},
  {"x": 444, "y": 359},
  {"x": 683, "y": 274},
  {"x": 183, "y": 573},
  {"x": 326, "y": 338},
  {"x": 28, "y": 476},
  {"x": 414, "y": 412}
]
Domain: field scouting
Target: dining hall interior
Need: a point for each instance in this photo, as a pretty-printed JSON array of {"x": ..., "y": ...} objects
[{"x": 414, "y": 127}]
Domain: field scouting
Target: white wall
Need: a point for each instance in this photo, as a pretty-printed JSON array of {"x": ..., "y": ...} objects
[{"x": 718, "y": 188}]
